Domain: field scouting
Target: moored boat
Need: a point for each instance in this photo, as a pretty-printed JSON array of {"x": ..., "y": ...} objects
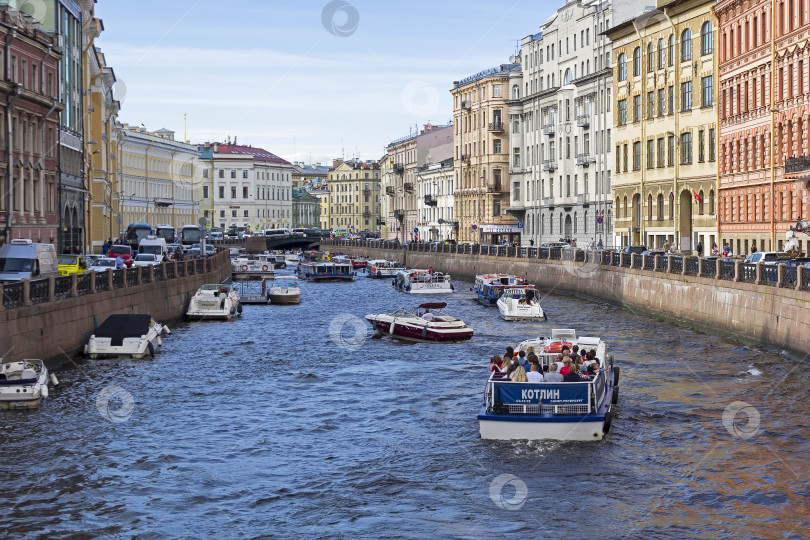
[
  {"x": 325, "y": 271},
  {"x": 23, "y": 384},
  {"x": 284, "y": 290},
  {"x": 381, "y": 268},
  {"x": 215, "y": 301},
  {"x": 416, "y": 281},
  {"x": 251, "y": 268},
  {"x": 132, "y": 335},
  {"x": 565, "y": 411},
  {"x": 422, "y": 326},
  {"x": 489, "y": 287},
  {"x": 521, "y": 303}
]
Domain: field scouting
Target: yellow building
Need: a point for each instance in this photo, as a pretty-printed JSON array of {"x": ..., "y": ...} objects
[
  {"x": 665, "y": 134},
  {"x": 482, "y": 156},
  {"x": 354, "y": 196}
]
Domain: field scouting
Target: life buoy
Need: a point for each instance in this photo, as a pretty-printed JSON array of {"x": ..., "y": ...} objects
[
  {"x": 556, "y": 346},
  {"x": 264, "y": 268},
  {"x": 244, "y": 268}
]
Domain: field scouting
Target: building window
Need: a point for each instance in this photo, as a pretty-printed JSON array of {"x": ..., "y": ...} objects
[
  {"x": 662, "y": 51},
  {"x": 247, "y": 214},
  {"x": 233, "y": 213},
  {"x": 496, "y": 146},
  {"x": 637, "y": 155},
  {"x": 233, "y": 174},
  {"x": 222, "y": 214},
  {"x": 686, "y": 148},
  {"x": 637, "y": 62},
  {"x": 650, "y": 153},
  {"x": 622, "y": 112},
  {"x": 622, "y": 67},
  {"x": 221, "y": 192},
  {"x": 701, "y": 143},
  {"x": 650, "y": 104},
  {"x": 712, "y": 142},
  {"x": 636, "y": 108},
  {"x": 244, "y": 192},
  {"x": 650, "y": 57},
  {"x": 222, "y": 173},
  {"x": 671, "y": 50},
  {"x": 708, "y": 91},
  {"x": 671, "y": 151},
  {"x": 205, "y": 192},
  {"x": 660, "y": 207},
  {"x": 662, "y": 103},
  {"x": 671, "y": 100},
  {"x": 706, "y": 38},
  {"x": 661, "y": 152},
  {"x": 233, "y": 192},
  {"x": 516, "y": 158},
  {"x": 205, "y": 173},
  {"x": 686, "y": 45},
  {"x": 686, "y": 96}
]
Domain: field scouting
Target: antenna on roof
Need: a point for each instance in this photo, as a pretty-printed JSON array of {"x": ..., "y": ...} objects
[{"x": 234, "y": 139}]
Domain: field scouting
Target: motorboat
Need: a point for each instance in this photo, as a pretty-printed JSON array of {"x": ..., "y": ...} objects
[
  {"x": 291, "y": 259},
  {"x": 215, "y": 301},
  {"x": 489, "y": 287},
  {"x": 424, "y": 326},
  {"x": 325, "y": 271},
  {"x": 276, "y": 259},
  {"x": 284, "y": 290},
  {"x": 416, "y": 281},
  {"x": 521, "y": 303},
  {"x": 563, "y": 411},
  {"x": 23, "y": 384},
  {"x": 381, "y": 268},
  {"x": 252, "y": 268},
  {"x": 126, "y": 335}
]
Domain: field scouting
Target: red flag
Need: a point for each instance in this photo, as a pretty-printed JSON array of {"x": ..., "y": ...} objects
[{"x": 697, "y": 198}]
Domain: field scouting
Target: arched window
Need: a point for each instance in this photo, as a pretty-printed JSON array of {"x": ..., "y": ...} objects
[
  {"x": 662, "y": 52},
  {"x": 650, "y": 58},
  {"x": 622, "y": 66},
  {"x": 649, "y": 208},
  {"x": 637, "y": 62},
  {"x": 706, "y": 38},
  {"x": 516, "y": 92},
  {"x": 711, "y": 202},
  {"x": 686, "y": 45},
  {"x": 661, "y": 207},
  {"x": 575, "y": 223},
  {"x": 671, "y": 206},
  {"x": 671, "y": 50},
  {"x": 568, "y": 77},
  {"x": 625, "y": 206},
  {"x": 701, "y": 205}
]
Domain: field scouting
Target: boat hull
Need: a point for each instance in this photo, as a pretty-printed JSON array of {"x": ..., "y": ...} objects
[
  {"x": 327, "y": 277},
  {"x": 574, "y": 428},
  {"x": 27, "y": 395},
  {"x": 426, "y": 288},
  {"x": 252, "y": 276},
  {"x": 284, "y": 298},
  {"x": 521, "y": 313},
  {"x": 411, "y": 332}
]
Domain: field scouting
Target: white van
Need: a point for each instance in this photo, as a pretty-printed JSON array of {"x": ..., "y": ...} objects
[
  {"x": 154, "y": 246},
  {"x": 23, "y": 259}
]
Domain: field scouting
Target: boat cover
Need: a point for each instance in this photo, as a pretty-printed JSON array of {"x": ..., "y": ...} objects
[
  {"x": 433, "y": 305},
  {"x": 118, "y": 327}
]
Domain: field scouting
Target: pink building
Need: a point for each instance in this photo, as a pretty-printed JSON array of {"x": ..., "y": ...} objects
[{"x": 764, "y": 114}]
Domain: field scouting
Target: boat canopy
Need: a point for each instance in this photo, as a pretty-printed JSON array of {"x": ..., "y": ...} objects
[
  {"x": 433, "y": 305},
  {"x": 119, "y": 327}
]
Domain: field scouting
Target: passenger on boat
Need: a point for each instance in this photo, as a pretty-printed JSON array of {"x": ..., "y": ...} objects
[
  {"x": 519, "y": 375},
  {"x": 522, "y": 359},
  {"x": 510, "y": 352},
  {"x": 572, "y": 375},
  {"x": 566, "y": 367},
  {"x": 575, "y": 352},
  {"x": 510, "y": 370},
  {"x": 534, "y": 375},
  {"x": 496, "y": 363},
  {"x": 553, "y": 375},
  {"x": 427, "y": 315}
]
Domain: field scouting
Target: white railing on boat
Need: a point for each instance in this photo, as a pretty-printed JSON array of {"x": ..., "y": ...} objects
[{"x": 595, "y": 394}]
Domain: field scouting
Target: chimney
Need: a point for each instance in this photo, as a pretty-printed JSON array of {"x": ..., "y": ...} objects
[{"x": 216, "y": 148}]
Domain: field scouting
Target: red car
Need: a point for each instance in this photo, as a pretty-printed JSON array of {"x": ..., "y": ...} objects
[{"x": 124, "y": 251}]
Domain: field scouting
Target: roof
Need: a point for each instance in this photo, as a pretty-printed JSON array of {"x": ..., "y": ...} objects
[
  {"x": 312, "y": 169},
  {"x": 496, "y": 71},
  {"x": 259, "y": 154},
  {"x": 118, "y": 327}
]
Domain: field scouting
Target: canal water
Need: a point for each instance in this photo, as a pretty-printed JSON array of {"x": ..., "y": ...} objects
[{"x": 292, "y": 422}]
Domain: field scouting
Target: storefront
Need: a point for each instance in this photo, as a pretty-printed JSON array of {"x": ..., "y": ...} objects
[{"x": 498, "y": 233}]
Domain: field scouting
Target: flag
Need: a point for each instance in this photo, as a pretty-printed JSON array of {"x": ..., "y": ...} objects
[
  {"x": 697, "y": 198},
  {"x": 671, "y": 195}
]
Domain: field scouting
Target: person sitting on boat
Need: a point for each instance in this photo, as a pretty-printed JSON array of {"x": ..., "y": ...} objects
[
  {"x": 534, "y": 375},
  {"x": 572, "y": 375},
  {"x": 510, "y": 370},
  {"x": 519, "y": 375},
  {"x": 427, "y": 315},
  {"x": 566, "y": 366},
  {"x": 510, "y": 352},
  {"x": 575, "y": 353},
  {"x": 553, "y": 375},
  {"x": 496, "y": 363},
  {"x": 559, "y": 361},
  {"x": 522, "y": 359}
]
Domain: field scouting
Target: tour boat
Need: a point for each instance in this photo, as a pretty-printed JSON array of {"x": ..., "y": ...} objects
[
  {"x": 326, "y": 271},
  {"x": 563, "y": 411},
  {"x": 422, "y": 282},
  {"x": 215, "y": 301},
  {"x": 23, "y": 384},
  {"x": 521, "y": 303},
  {"x": 251, "y": 268},
  {"x": 381, "y": 268},
  {"x": 291, "y": 259},
  {"x": 284, "y": 290},
  {"x": 276, "y": 259},
  {"x": 489, "y": 287},
  {"x": 126, "y": 335},
  {"x": 413, "y": 326}
]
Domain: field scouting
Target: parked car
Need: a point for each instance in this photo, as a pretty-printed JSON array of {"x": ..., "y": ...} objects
[
  {"x": 216, "y": 236},
  {"x": 90, "y": 259},
  {"x": 124, "y": 251},
  {"x": 71, "y": 264},
  {"x": 195, "y": 251},
  {"x": 145, "y": 259},
  {"x": 209, "y": 248},
  {"x": 765, "y": 257},
  {"x": 654, "y": 252},
  {"x": 102, "y": 264},
  {"x": 634, "y": 249},
  {"x": 155, "y": 246},
  {"x": 22, "y": 259}
]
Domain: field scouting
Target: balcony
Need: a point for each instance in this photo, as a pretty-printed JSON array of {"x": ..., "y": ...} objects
[
  {"x": 549, "y": 166},
  {"x": 430, "y": 200},
  {"x": 582, "y": 199},
  {"x": 465, "y": 158},
  {"x": 548, "y": 129},
  {"x": 398, "y": 168},
  {"x": 797, "y": 167},
  {"x": 495, "y": 187},
  {"x": 548, "y": 201},
  {"x": 408, "y": 186},
  {"x": 390, "y": 190},
  {"x": 466, "y": 104},
  {"x": 496, "y": 127},
  {"x": 583, "y": 160},
  {"x": 583, "y": 121},
  {"x": 399, "y": 214},
  {"x": 366, "y": 191},
  {"x": 380, "y": 221},
  {"x": 367, "y": 214}
]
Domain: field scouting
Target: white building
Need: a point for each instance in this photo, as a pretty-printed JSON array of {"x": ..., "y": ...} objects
[
  {"x": 560, "y": 121},
  {"x": 245, "y": 187},
  {"x": 435, "y": 201}
]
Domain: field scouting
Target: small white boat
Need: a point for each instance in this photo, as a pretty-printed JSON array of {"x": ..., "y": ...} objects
[
  {"x": 415, "y": 281},
  {"x": 215, "y": 301},
  {"x": 381, "y": 268},
  {"x": 424, "y": 327},
  {"x": 284, "y": 290},
  {"x": 291, "y": 259},
  {"x": 126, "y": 335},
  {"x": 489, "y": 287},
  {"x": 520, "y": 304},
  {"x": 578, "y": 410},
  {"x": 23, "y": 384}
]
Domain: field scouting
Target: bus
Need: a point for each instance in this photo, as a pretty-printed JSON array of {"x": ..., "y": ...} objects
[
  {"x": 167, "y": 232},
  {"x": 137, "y": 232},
  {"x": 190, "y": 235}
]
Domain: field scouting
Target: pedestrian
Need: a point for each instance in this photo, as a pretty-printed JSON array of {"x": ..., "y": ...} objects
[
  {"x": 715, "y": 250},
  {"x": 700, "y": 249},
  {"x": 119, "y": 262},
  {"x": 726, "y": 250},
  {"x": 753, "y": 246},
  {"x": 531, "y": 242},
  {"x": 104, "y": 248},
  {"x": 599, "y": 245}
]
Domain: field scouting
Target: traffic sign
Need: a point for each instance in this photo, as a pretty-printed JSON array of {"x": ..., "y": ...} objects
[
  {"x": 416, "y": 229},
  {"x": 331, "y": 230},
  {"x": 520, "y": 224},
  {"x": 599, "y": 219}
]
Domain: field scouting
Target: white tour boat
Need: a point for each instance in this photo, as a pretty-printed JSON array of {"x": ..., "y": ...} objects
[
  {"x": 325, "y": 271},
  {"x": 215, "y": 301},
  {"x": 284, "y": 290},
  {"x": 488, "y": 288},
  {"x": 126, "y": 335},
  {"x": 563, "y": 411},
  {"x": 23, "y": 384},
  {"x": 381, "y": 268},
  {"x": 415, "y": 281},
  {"x": 521, "y": 303},
  {"x": 417, "y": 326},
  {"x": 253, "y": 267},
  {"x": 291, "y": 259}
]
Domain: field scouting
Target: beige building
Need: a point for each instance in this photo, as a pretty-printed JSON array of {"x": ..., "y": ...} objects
[
  {"x": 354, "y": 196},
  {"x": 386, "y": 200},
  {"x": 400, "y": 188},
  {"x": 483, "y": 156},
  {"x": 665, "y": 134}
]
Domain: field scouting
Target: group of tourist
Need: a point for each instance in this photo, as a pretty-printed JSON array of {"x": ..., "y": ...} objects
[{"x": 570, "y": 365}]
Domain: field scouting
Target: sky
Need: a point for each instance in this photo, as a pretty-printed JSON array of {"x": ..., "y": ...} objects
[{"x": 308, "y": 81}]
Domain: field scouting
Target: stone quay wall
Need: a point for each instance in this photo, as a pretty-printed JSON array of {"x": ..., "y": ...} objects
[
  {"x": 724, "y": 297},
  {"x": 53, "y": 318}
]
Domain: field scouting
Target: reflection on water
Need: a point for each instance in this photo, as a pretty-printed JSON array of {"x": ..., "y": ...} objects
[{"x": 265, "y": 426}]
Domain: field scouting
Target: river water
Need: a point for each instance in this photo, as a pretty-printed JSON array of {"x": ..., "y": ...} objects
[{"x": 292, "y": 422}]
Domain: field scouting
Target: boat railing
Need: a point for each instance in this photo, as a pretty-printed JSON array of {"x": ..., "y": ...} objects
[{"x": 543, "y": 399}]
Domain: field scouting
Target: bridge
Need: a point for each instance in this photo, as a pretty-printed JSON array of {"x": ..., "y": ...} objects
[{"x": 293, "y": 242}]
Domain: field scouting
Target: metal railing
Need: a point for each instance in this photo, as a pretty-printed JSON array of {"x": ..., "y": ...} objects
[
  {"x": 676, "y": 264},
  {"x": 726, "y": 269},
  {"x": 661, "y": 264},
  {"x": 62, "y": 287},
  {"x": 692, "y": 264},
  {"x": 12, "y": 295},
  {"x": 39, "y": 291},
  {"x": 709, "y": 268},
  {"x": 748, "y": 273},
  {"x": 789, "y": 277},
  {"x": 769, "y": 274}
]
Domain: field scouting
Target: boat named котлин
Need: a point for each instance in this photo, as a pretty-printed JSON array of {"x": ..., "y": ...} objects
[{"x": 564, "y": 411}]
